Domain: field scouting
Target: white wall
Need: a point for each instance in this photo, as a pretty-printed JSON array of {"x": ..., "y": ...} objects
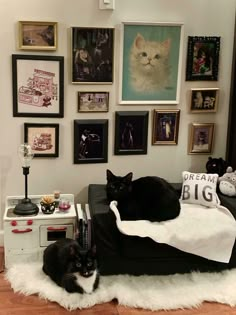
[{"x": 202, "y": 17}]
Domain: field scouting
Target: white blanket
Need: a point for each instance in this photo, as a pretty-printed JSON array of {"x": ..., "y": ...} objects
[{"x": 206, "y": 232}]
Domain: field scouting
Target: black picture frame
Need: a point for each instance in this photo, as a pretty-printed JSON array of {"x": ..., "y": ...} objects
[
  {"x": 92, "y": 55},
  {"x": 202, "y": 58},
  {"x": 90, "y": 141},
  {"x": 131, "y": 131},
  {"x": 38, "y": 86},
  {"x": 43, "y": 138}
]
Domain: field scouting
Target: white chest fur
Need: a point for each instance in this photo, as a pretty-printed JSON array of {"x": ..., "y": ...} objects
[{"x": 86, "y": 283}]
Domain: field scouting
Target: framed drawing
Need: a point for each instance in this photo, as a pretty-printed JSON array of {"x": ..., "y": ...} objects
[
  {"x": 165, "y": 126},
  {"x": 90, "y": 141},
  {"x": 93, "y": 102},
  {"x": 38, "y": 86},
  {"x": 202, "y": 58},
  {"x": 43, "y": 138},
  {"x": 92, "y": 55},
  {"x": 37, "y": 35},
  {"x": 204, "y": 100},
  {"x": 201, "y": 138},
  {"x": 131, "y": 131},
  {"x": 150, "y": 63}
]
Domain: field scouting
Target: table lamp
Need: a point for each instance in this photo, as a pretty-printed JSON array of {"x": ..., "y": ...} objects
[{"x": 26, "y": 207}]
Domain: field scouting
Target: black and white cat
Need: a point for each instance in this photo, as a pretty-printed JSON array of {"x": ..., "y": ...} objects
[
  {"x": 147, "y": 198},
  {"x": 71, "y": 267}
]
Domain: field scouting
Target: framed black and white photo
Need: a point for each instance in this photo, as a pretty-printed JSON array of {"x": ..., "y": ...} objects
[
  {"x": 201, "y": 138},
  {"x": 38, "y": 86},
  {"x": 204, "y": 100},
  {"x": 43, "y": 138},
  {"x": 131, "y": 131},
  {"x": 93, "y": 102},
  {"x": 90, "y": 141}
]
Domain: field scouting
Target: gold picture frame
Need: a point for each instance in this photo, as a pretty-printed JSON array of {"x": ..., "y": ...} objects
[
  {"x": 201, "y": 138},
  {"x": 37, "y": 35},
  {"x": 204, "y": 100}
]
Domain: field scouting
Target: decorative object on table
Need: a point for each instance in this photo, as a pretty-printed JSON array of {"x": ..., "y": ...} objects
[
  {"x": 26, "y": 207},
  {"x": 38, "y": 86},
  {"x": 165, "y": 126},
  {"x": 36, "y": 35},
  {"x": 216, "y": 166},
  {"x": 57, "y": 199},
  {"x": 93, "y": 102},
  {"x": 64, "y": 205},
  {"x": 43, "y": 138},
  {"x": 227, "y": 182},
  {"x": 204, "y": 100},
  {"x": 151, "y": 55},
  {"x": 131, "y": 131},
  {"x": 47, "y": 205},
  {"x": 201, "y": 138},
  {"x": 92, "y": 55},
  {"x": 90, "y": 141},
  {"x": 203, "y": 58}
]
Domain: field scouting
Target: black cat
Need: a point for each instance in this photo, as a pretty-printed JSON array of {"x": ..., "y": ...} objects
[
  {"x": 147, "y": 198},
  {"x": 71, "y": 267}
]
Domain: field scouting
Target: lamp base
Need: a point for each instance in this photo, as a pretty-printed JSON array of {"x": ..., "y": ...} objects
[{"x": 26, "y": 207}]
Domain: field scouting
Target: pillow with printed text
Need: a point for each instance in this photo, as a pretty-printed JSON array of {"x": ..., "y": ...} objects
[{"x": 200, "y": 188}]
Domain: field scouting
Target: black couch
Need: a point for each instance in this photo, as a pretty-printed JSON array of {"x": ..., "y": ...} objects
[{"x": 122, "y": 254}]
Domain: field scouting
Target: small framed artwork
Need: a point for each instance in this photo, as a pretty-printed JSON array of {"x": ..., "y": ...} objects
[
  {"x": 38, "y": 86},
  {"x": 90, "y": 141},
  {"x": 203, "y": 58},
  {"x": 93, "y": 102},
  {"x": 204, "y": 100},
  {"x": 43, "y": 138},
  {"x": 201, "y": 138},
  {"x": 131, "y": 131},
  {"x": 165, "y": 126},
  {"x": 37, "y": 35},
  {"x": 92, "y": 55},
  {"x": 150, "y": 63}
]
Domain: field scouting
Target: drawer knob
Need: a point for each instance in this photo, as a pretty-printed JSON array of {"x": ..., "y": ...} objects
[{"x": 14, "y": 223}]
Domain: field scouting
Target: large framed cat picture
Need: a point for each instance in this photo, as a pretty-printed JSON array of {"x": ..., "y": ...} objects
[{"x": 151, "y": 56}]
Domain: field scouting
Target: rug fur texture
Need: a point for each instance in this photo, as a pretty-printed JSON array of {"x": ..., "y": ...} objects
[{"x": 147, "y": 292}]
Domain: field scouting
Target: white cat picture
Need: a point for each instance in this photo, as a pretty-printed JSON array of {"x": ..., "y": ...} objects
[{"x": 149, "y": 66}]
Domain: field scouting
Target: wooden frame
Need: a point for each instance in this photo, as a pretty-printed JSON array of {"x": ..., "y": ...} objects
[
  {"x": 131, "y": 131},
  {"x": 204, "y": 100},
  {"x": 93, "y": 102},
  {"x": 165, "y": 126},
  {"x": 38, "y": 86},
  {"x": 35, "y": 35},
  {"x": 43, "y": 138},
  {"x": 201, "y": 138},
  {"x": 90, "y": 141},
  {"x": 203, "y": 58},
  {"x": 154, "y": 80},
  {"x": 92, "y": 55}
]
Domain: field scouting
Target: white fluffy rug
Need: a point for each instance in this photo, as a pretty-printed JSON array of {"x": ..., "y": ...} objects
[{"x": 148, "y": 292}]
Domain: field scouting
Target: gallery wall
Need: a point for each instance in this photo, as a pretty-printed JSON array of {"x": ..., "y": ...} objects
[{"x": 200, "y": 18}]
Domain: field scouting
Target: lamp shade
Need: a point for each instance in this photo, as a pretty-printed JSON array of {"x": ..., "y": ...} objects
[{"x": 25, "y": 154}]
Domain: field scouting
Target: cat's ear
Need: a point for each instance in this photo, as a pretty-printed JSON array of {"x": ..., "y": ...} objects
[
  {"x": 167, "y": 43},
  {"x": 110, "y": 175},
  {"x": 139, "y": 41},
  {"x": 128, "y": 177}
]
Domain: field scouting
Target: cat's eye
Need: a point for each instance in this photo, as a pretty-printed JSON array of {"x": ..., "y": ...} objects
[
  {"x": 89, "y": 264},
  {"x": 78, "y": 265},
  {"x": 143, "y": 54},
  {"x": 157, "y": 56}
]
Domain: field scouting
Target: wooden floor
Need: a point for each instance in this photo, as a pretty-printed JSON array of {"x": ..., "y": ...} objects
[{"x": 17, "y": 304}]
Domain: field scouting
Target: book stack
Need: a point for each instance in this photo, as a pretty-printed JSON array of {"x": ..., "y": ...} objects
[{"x": 84, "y": 224}]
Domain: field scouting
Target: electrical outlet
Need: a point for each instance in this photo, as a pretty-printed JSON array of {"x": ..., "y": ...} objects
[{"x": 106, "y": 4}]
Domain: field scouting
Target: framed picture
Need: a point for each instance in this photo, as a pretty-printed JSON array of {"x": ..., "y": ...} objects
[
  {"x": 92, "y": 55},
  {"x": 90, "y": 141},
  {"x": 165, "y": 126},
  {"x": 203, "y": 58},
  {"x": 204, "y": 100},
  {"x": 93, "y": 102},
  {"x": 37, "y": 35},
  {"x": 43, "y": 138},
  {"x": 38, "y": 86},
  {"x": 150, "y": 63},
  {"x": 201, "y": 138},
  {"x": 131, "y": 131}
]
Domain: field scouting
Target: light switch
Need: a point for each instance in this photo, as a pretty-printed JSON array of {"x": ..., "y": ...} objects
[{"x": 106, "y": 4}]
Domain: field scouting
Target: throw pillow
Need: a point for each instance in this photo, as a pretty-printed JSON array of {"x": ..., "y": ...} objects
[{"x": 200, "y": 188}]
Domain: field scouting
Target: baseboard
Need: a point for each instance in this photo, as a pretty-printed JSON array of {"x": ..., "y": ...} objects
[{"x": 1, "y": 237}]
